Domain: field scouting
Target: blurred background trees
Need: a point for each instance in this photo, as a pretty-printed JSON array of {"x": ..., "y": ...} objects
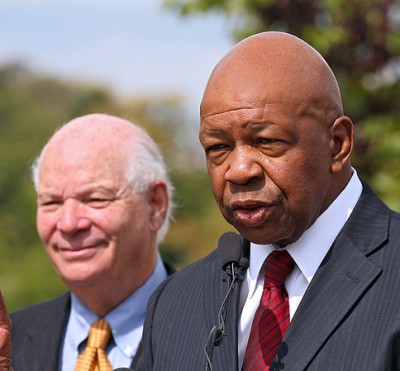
[{"x": 359, "y": 38}]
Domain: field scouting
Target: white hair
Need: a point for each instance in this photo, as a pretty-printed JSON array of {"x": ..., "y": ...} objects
[{"x": 145, "y": 165}]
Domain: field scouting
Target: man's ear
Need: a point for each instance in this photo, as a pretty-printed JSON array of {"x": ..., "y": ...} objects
[
  {"x": 341, "y": 143},
  {"x": 158, "y": 201}
]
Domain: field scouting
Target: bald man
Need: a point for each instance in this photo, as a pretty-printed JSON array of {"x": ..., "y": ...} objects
[
  {"x": 103, "y": 207},
  {"x": 312, "y": 281}
]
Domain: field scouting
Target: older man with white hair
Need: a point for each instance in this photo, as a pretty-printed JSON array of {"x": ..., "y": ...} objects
[{"x": 104, "y": 201}]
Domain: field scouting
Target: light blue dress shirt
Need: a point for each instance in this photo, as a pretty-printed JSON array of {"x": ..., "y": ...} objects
[{"x": 126, "y": 322}]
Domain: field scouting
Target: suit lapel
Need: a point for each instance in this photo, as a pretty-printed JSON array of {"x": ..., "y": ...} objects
[
  {"x": 343, "y": 278},
  {"x": 215, "y": 289},
  {"x": 170, "y": 270},
  {"x": 44, "y": 348},
  {"x": 44, "y": 336}
]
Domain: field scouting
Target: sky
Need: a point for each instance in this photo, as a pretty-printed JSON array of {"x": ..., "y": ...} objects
[{"x": 132, "y": 46}]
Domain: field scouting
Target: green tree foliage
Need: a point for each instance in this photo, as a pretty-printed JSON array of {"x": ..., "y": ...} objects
[
  {"x": 360, "y": 39},
  {"x": 32, "y": 107}
]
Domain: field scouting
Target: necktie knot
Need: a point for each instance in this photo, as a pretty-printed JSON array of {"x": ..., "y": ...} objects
[
  {"x": 99, "y": 334},
  {"x": 94, "y": 358},
  {"x": 277, "y": 267}
]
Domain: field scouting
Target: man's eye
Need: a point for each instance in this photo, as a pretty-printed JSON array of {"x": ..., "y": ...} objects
[
  {"x": 266, "y": 140},
  {"x": 97, "y": 202},
  {"x": 50, "y": 202},
  {"x": 217, "y": 147}
]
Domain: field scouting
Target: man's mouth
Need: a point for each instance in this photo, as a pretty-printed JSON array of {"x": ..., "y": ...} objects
[
  {"x": 252, "y": 214},
  {"x": 79, "y": 252}
]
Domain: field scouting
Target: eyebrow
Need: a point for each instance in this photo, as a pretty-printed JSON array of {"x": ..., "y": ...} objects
[
  {"x": 85, "y": 190},
  {"x": 225, "y": 111},
  {"x": 213, "y": 132},
  {"x": 252, "y": 126},
  {"x": 258, "y": 126}
]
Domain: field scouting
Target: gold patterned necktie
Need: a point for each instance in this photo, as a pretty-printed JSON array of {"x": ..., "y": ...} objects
[{"x": 94, "y": 357}]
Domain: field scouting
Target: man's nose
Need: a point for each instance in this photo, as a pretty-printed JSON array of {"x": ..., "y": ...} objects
[
  {"x": 72, "y": 217},
  {"x": 243, "y": 166}
]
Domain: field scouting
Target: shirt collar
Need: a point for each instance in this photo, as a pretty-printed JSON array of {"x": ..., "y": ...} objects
[
  {"x": 310, "y": 249},
  {"x": 126, "y": 320}
]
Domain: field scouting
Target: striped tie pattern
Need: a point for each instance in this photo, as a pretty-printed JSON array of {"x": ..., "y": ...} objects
[
  {"x": 94, "y": 357},
  {"x": 272, "y": 317}
]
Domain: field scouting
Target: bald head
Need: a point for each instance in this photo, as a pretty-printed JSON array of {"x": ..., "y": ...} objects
[
  {"x": 97, "y": 135},
  {"x": 273, "y": 66},
  {"x": 95, "y": 129}
]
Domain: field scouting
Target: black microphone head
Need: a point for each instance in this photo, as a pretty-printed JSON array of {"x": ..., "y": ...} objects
[
  {"x": 230, "y": 249},
  {"x": 244, "y": 263}
]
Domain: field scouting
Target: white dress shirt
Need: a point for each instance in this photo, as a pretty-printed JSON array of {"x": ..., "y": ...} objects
[
  {"x": 308, "y": 252},
  {"x": 126, "y": 322}
]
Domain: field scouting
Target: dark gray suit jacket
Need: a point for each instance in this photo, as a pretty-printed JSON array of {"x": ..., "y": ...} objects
[
  {"x": 37, "y": 333},
  {"x": 349, "y": 318}
]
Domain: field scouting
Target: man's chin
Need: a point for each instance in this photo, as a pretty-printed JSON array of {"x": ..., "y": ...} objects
[{"x": 261, "y": 235}]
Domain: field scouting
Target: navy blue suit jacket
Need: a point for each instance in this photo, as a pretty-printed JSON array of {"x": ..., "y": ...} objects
[{"x": 348, "y": 319}]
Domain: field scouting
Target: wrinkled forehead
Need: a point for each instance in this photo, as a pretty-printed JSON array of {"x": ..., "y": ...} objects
[
  {"x": 76, "y": 152},
  {"x": 95, "y": 134}
]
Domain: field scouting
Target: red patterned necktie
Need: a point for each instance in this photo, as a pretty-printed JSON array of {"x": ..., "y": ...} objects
[{"x": 272, "y": 317}]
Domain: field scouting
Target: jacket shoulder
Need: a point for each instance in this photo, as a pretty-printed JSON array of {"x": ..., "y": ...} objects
[{"x": 24, "y": 317}]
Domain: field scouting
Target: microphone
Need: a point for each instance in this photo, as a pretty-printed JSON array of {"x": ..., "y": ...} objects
[
  {"x": 234, "y": 263},
  {"x": 230, "y": 249},
  {"x": 231, "y": 255}
]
